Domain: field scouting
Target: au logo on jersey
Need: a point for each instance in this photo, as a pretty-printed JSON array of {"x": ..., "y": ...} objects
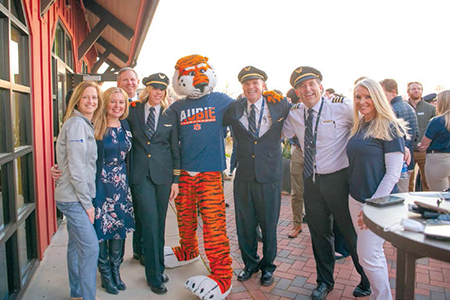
[
  {"x": 197, "y": 115},
  {"x": 197, "y": 126}
]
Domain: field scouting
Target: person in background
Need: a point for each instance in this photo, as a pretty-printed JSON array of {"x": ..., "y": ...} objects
[
  {"x": 127, "y": 79},
  {"x": 329, "y": 94},
  {"x": 296, "y": 178},
  {"x": 424, "y": 112},
  {"x": 114, "y": 214},
  {"x": 76, "y": 153},
  {"x": 375, "y": 152},
  {"x": 406, "y": 112},
  {"x": 436, "y": 143},
  {"x": 156, "y": 171}
]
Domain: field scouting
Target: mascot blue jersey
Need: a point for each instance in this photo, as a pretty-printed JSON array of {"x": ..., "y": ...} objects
[{"x": 201, "y": 132}]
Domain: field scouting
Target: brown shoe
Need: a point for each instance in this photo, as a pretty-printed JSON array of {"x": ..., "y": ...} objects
[{"x": 295, "y": 232}]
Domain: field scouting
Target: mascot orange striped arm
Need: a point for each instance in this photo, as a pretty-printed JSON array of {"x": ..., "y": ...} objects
[{"x": 200, "y": 116}]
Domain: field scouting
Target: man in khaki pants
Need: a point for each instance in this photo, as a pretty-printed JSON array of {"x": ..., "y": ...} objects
[
  {"x": 296, "y": 177},
  {"x": 424, "y": 112}
]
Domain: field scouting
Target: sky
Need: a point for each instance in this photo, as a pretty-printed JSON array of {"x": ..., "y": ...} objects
[{"x": 406, "y": 40}]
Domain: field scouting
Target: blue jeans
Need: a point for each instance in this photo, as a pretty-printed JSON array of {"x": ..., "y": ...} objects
[{"x": 82, "y": 251}]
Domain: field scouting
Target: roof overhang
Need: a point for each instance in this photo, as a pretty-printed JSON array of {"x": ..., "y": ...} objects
[{"x": 118, "y": 31}]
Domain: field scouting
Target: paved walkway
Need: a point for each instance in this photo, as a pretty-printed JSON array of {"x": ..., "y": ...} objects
[{"x": 295, "y": 277}]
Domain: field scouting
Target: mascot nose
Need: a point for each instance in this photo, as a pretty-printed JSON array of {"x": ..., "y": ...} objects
[{"x": 201, "y": 86}]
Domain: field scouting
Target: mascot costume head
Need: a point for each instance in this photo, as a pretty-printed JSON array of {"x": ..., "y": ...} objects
[{"x": 195, "y": 79}]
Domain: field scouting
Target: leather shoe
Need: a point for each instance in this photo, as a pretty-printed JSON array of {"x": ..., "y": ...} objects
[
  {"x": 247, "y": 274},
  {"x": 160, "y": 289},
  {"x": 164, "y": 278},
  {"x": 295, "y": 232},
  {"x": 359, "y": 291},
  {"x": 266, "y": 278},
  {"x": 321, "y": 291}
]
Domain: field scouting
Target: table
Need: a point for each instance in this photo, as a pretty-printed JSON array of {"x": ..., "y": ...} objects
[{"x": 410, "y": 245}]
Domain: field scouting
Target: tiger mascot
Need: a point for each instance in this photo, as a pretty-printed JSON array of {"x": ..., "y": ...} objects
[{"x": 200, "y": 115}]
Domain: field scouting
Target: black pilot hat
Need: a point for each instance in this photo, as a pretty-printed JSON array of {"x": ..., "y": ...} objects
[
  {"x": 157, "y": 80},
  {"x": 304, "y": 73},
  {"x": 251, "y": 72}
]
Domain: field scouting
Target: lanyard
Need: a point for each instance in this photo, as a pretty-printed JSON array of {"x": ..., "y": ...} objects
[
  {"x": 261, "y": 113},
  {"x": 315, "y": 134}
]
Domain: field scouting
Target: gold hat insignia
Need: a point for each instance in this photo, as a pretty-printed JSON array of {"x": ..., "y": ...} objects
[
  {"x": 247, "y": 69},
  {"x": 162, "y": 76},
  {"x": 299, "y": 70}
]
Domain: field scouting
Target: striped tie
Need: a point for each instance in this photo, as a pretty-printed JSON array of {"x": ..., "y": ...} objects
[
  {"x": 252, "y": 121},
  {"x": 150, "y": 124},
  {"x": 309, "y": 146}
]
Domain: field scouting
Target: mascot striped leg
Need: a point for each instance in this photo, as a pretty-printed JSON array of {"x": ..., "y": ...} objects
[{"x": 206, "y": 191}]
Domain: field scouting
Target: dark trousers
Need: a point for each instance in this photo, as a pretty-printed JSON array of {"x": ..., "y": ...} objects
[
  {"x": 340, "y": 245},
  {"x": 257, "y": 203},
  {"x": 327, "y": 199},
  {"x": 151, "y": 202}
]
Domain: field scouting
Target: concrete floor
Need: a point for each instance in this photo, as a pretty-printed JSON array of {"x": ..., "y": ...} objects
[{"x": 51, "y": 280}]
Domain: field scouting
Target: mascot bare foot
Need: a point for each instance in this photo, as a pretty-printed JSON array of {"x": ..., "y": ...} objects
[
  {"x": 200, "y": 116},
  {"x": 171, "y": 261},
  {"x": 206, "y": 288}
]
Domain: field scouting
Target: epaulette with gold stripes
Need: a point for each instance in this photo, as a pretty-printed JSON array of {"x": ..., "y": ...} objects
[
  {"x": 295, "y": 106},
  {"x": 176, "y": 172},
  {"x": 337, "y": 99}
]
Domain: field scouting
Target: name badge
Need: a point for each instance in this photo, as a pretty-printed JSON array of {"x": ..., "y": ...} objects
[
  {"x": 328, "y": 121},
  {"x": 168, "y": 125},
  {"x": 420, "y": 113}
]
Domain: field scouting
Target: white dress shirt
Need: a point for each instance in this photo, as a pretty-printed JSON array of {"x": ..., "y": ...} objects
[
  {"x": 266, "y": 120},
  {"x": 157, "y": 111},
  {"x": 333, "y": 132}
]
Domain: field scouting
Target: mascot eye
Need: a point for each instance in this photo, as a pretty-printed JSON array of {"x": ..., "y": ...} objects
[
  {"x": 202, "y": 71},
  {"x": 192, "y": 73}
]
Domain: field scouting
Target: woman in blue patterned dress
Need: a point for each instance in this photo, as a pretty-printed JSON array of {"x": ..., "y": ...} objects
[{"x": 114, "y": 215}]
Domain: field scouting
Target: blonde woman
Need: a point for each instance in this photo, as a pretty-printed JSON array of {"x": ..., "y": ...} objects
[
  {"x": 436, "y": 142},
  {"x": 375, "y": 152},
  {"x": 76, "y": 152},
  {"x": 114, "y": 214},
  {"x": 156, "y": 169}
]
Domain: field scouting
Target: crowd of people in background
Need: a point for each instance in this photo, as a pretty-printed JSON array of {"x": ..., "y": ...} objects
[{"x": 344, "y": 152}]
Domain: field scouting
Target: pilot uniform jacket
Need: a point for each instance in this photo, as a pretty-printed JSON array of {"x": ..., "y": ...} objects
[
  {"x": 159, "y": 157},
  {"x": 258, "y": 158},
  {"x": 155, "y": 166}
]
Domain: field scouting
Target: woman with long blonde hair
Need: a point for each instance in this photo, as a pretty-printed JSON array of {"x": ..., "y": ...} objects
[
  {"x": 156, "y": 169},
  {"x": 375, "y": 152},
  {"x": 436, "y": 141},
  {"x": 76, "y": 153},
  {"x": 114, "y": 214}
]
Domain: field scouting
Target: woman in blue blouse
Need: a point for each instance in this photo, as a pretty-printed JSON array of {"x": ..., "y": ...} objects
[
  {"x": 375, "y": 152},
  {"x": 436, "y": 142}
]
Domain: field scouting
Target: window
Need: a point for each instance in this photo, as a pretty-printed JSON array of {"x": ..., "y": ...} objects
[
  {"x": 3, "y": 273},
  {"x": 23, "y": 187},
  {"x": 21, "y": 117},
  {"x": 19, "y": 54},
  {"x": 18, "y": 243},
  {"x": 4, "y": 63}
]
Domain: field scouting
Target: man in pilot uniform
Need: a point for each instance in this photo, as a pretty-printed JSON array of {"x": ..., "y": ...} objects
[{"x": 323, "y": 129}]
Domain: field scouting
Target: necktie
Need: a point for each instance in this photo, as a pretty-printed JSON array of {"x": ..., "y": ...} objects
[
  {"x": 309, "y": 146},
  {"x": 252, "y": 121},
  {"x": 150, "y": 124}
]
